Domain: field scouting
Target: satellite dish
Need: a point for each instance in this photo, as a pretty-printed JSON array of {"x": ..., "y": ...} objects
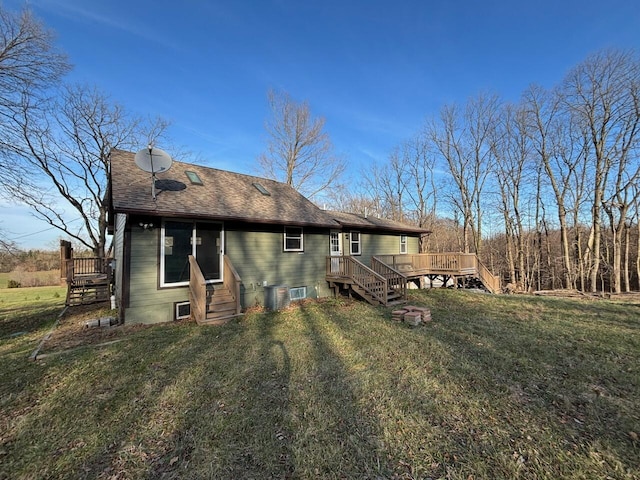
[{"x": 153, "y": 160}]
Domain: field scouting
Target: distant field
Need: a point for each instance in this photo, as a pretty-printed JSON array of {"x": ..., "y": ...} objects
[{"x": 27, "y": 279}]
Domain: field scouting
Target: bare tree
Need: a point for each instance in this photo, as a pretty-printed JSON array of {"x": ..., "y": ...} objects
[
  {"x": 513, "y": 174},
  {"x": 603, "y": 96},
  {"x": 558, "y": 151},
  {"x": 299, "y": 151},
  {"x": 63, "y": 153},
  {"x": 464, "y": 139},
  {"x": 29, "y": 65}
]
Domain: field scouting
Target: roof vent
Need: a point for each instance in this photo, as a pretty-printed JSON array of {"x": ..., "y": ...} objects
[{"x": 261, "y": 189}]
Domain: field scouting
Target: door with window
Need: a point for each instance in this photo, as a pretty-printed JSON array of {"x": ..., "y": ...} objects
[
  {"x": 180, "y": 239},
  {"x": 335, "y": 250}
]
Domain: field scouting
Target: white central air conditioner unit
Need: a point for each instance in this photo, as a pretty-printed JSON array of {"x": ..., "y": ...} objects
[{"x": 276, "y": 297}]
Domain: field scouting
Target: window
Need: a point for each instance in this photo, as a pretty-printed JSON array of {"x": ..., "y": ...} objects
[
  {"x": 293, "y": 239},
  {"x": 261, "y": 189},
  {"x": 193, "y": 178},
  {"x": 179, "y": 239},
  {"x": 298, "y": 293},
  {"x": 354, "y": 243},
  {"x": 403, "y": 244},
  {"x": 183, "y": 310}
]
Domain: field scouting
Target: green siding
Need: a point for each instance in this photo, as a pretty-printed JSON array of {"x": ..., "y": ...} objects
[
  {"x": 372, "y": 244},
  {"x": 147, "y": 302},
  {"x": 259, "y": 257}
]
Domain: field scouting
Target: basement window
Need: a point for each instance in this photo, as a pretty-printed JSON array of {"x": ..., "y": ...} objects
[
  {"x": 298, "y": 293},
  {"x": 261, "y": 189},
  {"x": 193, "y": 178}
]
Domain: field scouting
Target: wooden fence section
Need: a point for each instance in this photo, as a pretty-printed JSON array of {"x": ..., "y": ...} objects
[{"x": 453, "y": 264}]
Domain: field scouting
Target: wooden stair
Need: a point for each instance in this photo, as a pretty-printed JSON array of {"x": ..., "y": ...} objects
[
  {"x": 221, "y": 306},
  {"x": 378, "y": 285},
  {"x": 87, "y": 292},
  {"x": 393, "y": 297}
]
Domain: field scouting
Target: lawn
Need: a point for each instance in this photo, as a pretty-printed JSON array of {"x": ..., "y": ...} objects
[{"x": 494, "y": 387}]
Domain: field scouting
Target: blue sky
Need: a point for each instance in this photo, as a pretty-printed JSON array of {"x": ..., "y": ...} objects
[{"x": 374, "y": 69}]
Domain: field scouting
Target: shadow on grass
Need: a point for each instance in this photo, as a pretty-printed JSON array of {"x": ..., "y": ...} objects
[
  {"x": 556, "y": 374},
  {"x": 350, "y": 435}
]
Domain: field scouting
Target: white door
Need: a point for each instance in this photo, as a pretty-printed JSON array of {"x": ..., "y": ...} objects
[{"x": 335, "y": 250}]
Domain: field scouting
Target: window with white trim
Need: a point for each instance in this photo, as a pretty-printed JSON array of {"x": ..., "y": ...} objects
[
  {"x": 293, "y": 239},
  {"x": 354, "y": 243},
  {"x": 298, "y": 293},
  {"x": 182, "y": 238},
  {"x": 403, "y": 244}
]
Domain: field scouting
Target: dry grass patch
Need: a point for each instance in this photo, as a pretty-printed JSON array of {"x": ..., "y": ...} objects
[{"x": 494, "y": 387}]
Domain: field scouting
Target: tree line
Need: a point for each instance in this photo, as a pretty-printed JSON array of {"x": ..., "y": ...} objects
[
  {"x": 554, "y": 177},
  {"x": 545, "y": 190}
]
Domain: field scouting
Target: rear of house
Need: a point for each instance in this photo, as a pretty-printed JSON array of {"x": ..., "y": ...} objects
[{"x": 261, "y": 230}]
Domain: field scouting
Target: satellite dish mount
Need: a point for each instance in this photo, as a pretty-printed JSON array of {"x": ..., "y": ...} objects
[{"x": 153, "y": 160}]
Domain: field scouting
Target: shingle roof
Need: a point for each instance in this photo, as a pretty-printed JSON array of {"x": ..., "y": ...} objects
[
  {"x": 354, "y": 220},
  {"x": 223, "y": 195}
]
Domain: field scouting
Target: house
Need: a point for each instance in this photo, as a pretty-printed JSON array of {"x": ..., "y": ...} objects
[{"x": 216, "y": 242}]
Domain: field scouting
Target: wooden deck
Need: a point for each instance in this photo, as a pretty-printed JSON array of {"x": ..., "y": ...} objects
[
  {"x": 452, "y": 265},
  {"x": 88, "y": 280},
  {"x": 385, "y": 282}
]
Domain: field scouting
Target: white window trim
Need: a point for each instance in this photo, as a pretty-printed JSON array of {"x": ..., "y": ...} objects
[
  {"x": 164, "y": 284},
  {"x": 298, "y": 297},
  {"x": 285, "y": 236},
  {"x": 351, "y": 242},
  {"x": 404, "y": 244}
]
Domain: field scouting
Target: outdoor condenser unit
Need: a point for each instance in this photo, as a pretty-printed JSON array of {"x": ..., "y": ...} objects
[{"x": 276, "y": 297}]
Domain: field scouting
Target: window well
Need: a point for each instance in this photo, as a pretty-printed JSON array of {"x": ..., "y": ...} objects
[
  {"x": 193, "y": 178},
  {"x": 261, "y": 189}
]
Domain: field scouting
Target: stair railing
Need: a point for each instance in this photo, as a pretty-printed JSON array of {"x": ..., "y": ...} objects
[
  {"x": 395, "y": 280},
  {"x": 232, "y": 281},
  {"x": 197, "y": 291}
]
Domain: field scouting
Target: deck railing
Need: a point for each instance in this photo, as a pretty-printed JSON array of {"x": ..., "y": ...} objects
[
  {"x": 87, "y": 266},
  {"x": 373, "y": 283},
  {"x": 232, "y": 281},
  {"x": 442, "y": 263},
  {"x": 491, "y": 281},
  {"x": 395, "y": 280},
  {"x": 197, "y": 291}
]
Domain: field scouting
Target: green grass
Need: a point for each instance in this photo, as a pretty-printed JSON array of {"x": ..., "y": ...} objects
[{"x": 495, "y": 387}]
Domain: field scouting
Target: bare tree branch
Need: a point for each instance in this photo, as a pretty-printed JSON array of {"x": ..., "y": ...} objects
[{"x": 299, "y": 151}]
